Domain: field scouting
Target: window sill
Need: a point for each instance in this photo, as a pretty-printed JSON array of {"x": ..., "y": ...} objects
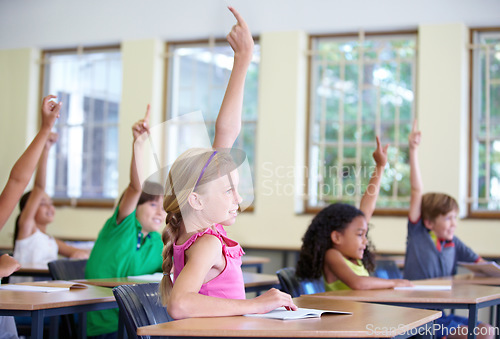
[
  {"x": 85, "y": 203},
  {"x": 378, "y": 212}
]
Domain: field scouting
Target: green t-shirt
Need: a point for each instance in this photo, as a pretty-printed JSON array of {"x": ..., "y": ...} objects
[
  {"x": 338, "y": 284},
  {"x": 116, "y": 254}
]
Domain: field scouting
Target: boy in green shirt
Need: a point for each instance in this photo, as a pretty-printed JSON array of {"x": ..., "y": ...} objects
[{"x": 129, "y": 243}]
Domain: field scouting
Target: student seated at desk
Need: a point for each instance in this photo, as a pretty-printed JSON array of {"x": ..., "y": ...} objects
[
  {"x": 432, "y": 249},
  {"x": 129, "y": 242},
  {"x": 201, "y": 198},
  {"x": 32, "y": 244},
  {"x": 16, "y": 184},
  {"x": 336, "y": 246}
]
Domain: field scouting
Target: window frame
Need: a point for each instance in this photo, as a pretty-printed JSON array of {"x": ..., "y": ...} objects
[
  {"x": 75, "y": 202},
  {"x": 471, "y": 213},
  {"x": 312, "y": 209}
]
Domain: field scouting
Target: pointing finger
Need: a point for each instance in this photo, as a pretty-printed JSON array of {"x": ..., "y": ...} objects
[
  {"x": 378, "y": 141},
  {"x": 238, "y": 16},
  {"x": 414, "y": 127},
  {"x": 146, "y": 117}
]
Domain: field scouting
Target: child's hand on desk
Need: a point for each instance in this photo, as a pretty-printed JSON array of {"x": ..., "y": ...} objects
[
  {"x": 402, "y": 283},
  {"x": 80, "y": 254},
  {"x": 273, "y": 299},
  {"x": 8, "y": 265}
]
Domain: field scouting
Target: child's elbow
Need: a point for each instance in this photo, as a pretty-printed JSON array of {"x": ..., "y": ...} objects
[{"x": 177, "y": 309}]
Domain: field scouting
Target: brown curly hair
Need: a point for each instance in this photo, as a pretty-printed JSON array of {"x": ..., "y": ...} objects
[{"x": 317, "y": 240}]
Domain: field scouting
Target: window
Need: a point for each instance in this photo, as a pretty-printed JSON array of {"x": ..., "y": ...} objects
[
  {"x": 361, "y": 86},
  {"x": 485, "y": 124},
  {"x": 84, "y": 162},
  {"x": 198, "y": 74}
]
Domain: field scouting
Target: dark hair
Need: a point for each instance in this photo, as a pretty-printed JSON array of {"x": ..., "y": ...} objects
[
  {"x": 22, "y": 204},
  {"x": 436, "y": 204},
  {"x": 150, "y": 192},
  {"x": 317, "y": 240}
]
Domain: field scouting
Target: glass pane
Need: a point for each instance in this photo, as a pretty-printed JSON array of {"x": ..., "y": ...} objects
[
  {"x": 386, "y": 98},
  {"x": 332, "y": 131},
  {"x": 89, "y": 85},
  {"x": 350, "y": 131}
]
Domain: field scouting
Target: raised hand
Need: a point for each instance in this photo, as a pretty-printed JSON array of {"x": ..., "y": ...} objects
[
  {"x": 415, "y": 136},
  {"x": 240, "y": 38},
  {"x": 380, "y": 154},
  {"x": 402, "y": 283},
  {"x": 142, "y": 125},
  {"x": 50, "y": 111}
]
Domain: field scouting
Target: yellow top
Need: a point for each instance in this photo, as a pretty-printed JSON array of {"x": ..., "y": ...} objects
[{"x": 337, "y": 285}]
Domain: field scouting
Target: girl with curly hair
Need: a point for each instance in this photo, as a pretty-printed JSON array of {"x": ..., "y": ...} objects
[{"x": 336, "y": 246}]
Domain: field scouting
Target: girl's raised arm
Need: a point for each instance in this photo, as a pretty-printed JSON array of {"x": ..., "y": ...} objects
[
  {"x": 228, "y": 124},
  {"x": 23, "y": 169},
  {"x": 369, "y": 200},
  {"x": 27, "y": 222}
]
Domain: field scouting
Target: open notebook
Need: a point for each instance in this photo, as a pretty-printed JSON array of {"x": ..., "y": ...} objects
[
  {"x": 301, "y": 313},
  {"x": 155, "y": 277},
  {"x": 425, "y": 288},
  {"x": 487, "y": 268},
  {"x": 43, "y": 286}
]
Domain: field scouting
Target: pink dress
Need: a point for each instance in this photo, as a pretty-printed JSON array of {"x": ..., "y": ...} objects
[{"x": 229, "y": 283}]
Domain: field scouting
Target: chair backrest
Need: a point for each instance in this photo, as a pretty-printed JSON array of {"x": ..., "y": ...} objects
[
  {"x": 295, "y": 287},
  {"x": 67, "y": 269},
  {"x": 140, "y": 305},
  {"x": 387, "y": 269}
]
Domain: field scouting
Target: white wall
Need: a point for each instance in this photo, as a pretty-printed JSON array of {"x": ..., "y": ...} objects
[
  {"x": 56, "y": 23},
  {"x": 283, "y": 26}
]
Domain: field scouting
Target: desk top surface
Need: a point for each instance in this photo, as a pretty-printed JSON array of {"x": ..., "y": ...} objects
[
  {"x": 251, "y": 280},
  {"x": 44, "y": 268},
  {"x": 21, "y": 300},
  {"x": 367, "y": 320},
  {"x": 459, "y": 294},
  {"x": 33, "y": 268},
  {"x": 474, "y": 279},
  {"x": 252, "y": 260}
]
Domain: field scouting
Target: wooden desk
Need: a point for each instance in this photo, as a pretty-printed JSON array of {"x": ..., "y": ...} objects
[
  {"x": 367, "y": 321},
  {"x": 254, "y": 282},
  {"x": 254, "y": 261},
  {"x": 473, "y": 279},
  {"x": 462, "y": 296},
  {"x": 39, "y": 305},
  {"x": 33, "y": 270}
]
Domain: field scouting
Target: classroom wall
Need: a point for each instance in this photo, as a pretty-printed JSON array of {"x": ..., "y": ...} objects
[{"x": 283, "y": 28}]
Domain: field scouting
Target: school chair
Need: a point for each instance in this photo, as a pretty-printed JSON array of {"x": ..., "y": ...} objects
[
  {"x": 295, "y": 287},
  {"x": 68, "y": 269},
  {"x": 387, "y": 269},
  {"x": 140, "y": 305}
]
